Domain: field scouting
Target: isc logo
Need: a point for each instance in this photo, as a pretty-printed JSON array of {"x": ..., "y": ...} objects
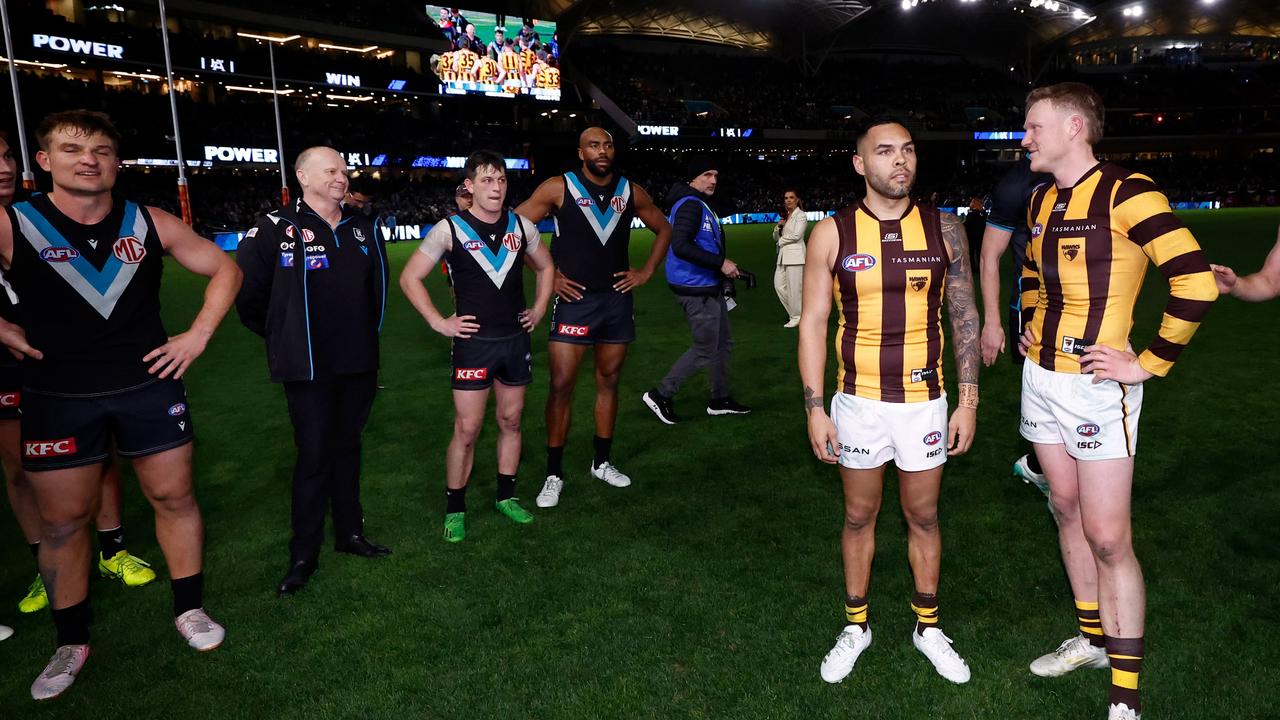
[
  {"x": 858, "y": 262},
  {"x": 933, "y": 438},
  {"x": 59, "y": 254},
  {"x": 471, "y": 374},
  {"x": 473, "y": 245},
  {"x": 1088, "y": 430},
  {"x": 45, "y": 448},
  {"x": 574, "y": 330}
]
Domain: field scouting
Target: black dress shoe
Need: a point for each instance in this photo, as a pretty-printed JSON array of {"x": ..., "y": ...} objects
[
  {"x": 361, "y": 545},
  {"x": 300, "y": 572}
]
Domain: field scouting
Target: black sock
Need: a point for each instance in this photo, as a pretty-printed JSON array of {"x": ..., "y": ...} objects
[
  {"x": 111, "y": 542},
  {"x": 35, "y": 548},
  {"x": 455, "y": 501},
  {"x": 72, "y": 623},
  {"x": 188, "y": 593},
  {"x": 603, "y": 446},
  {"x": 555, "y": 461},
  {"x": 506, "y": 487},
  {"x": 1033, "y": 463}
]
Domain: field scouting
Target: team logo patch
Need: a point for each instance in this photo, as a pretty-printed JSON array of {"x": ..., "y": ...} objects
[
  {"x": 918, "y": 282},
  {"x": 473, "y": 245},
  {"x": 1074, "y": 346},
  {"x": 858, "y": 262},
  {"x": 584, "y": 202},
  {"x": 891, "y": 237},
  {"x": 129, "y": 249},
  {"x": 253, "y": 232},
  {"x": 59, "y": 254},
  {"x": 1037, "y": 230},
  {"x": 286, "y": 259},
  {"x": 933, "y": 438},
  {"x": 359, "y": 234},
  {"x": 1071, "y": 251},
  {"x": 1060, "y": 207},
  {"x": 471, "y": 374},
  {"x": 923, "y": 374},
  {"x": 618, "y": 203},
  {"x": 177, "y": 409},
  {"x": 308, "y": 235},
  {"x": 573, "y": 330},
  {"x": 11, "y": 400},
  {"x": 48, "y": 448},
  {"x": 511, "y": 241},
  {"x": 1088, "y": 430},
  {"x": 317, "y": 262}
]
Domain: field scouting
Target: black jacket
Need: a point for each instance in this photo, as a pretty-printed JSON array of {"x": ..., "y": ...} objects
[
  {"x": 684, "y": 229},
  {"x": 273, "y": 299}
]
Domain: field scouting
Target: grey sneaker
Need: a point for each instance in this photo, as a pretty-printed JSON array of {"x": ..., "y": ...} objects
[
  {"x": 61, "y": 672},
  {"x": 199, "y": 630}
]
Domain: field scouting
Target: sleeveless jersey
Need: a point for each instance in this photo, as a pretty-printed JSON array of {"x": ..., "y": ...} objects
[
  {"x": 486, "y": 266},
  {"x": 889, "y": 277},
  {"x": 90, "y": 296},
  {"x": 593, "y": 231}
]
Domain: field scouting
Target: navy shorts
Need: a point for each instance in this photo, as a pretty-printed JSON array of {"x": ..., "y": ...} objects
[
  {"x": 10, "y": 391},
  {"x": 62, "y": 432},
  {"x": 477, "y": 362},
  {"x": 599, "y": 317}
]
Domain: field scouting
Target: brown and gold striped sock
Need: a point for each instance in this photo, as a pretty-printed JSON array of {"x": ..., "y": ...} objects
[
  {"x": 1126, "y": 663},
  {"x": 925, "y": 606},
  {"x": 1090, "y": 622},
  {"x": 855, "y": 611}
]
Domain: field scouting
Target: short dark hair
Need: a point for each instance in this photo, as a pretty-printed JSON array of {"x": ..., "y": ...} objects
[
  {"x": 86, "y": 122},
  {"x": 483, "y": 159},
  {"x": 876, "y": 121}
]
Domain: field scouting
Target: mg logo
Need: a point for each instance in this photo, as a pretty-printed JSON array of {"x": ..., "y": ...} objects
[
  {"x": 129, "y": 249},
  {"x": 858, "y": 262},
  {"x": 618, "y": 203},
  {"x": 511, "y": 241}
]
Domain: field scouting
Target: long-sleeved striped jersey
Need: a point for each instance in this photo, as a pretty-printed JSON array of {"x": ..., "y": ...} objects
[{"x": 1086, "y": 261}]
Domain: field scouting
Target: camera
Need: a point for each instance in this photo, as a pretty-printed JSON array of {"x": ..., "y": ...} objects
[{"x": 727, "y": 287}]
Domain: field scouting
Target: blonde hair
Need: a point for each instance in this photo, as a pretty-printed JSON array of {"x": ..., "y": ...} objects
[{"x": 1077, "y": 98}]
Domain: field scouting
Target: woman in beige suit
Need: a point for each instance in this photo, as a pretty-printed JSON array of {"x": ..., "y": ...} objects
[{"x": 788, "y": 275}]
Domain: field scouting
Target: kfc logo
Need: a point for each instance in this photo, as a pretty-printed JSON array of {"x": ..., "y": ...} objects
[
  {"x": 59, "y": 254},
  {"x": 471, "y": 374},
  {"x": 129, "y": 250},
  {"x": 511, "y": 241},
  {"x": 48, "y": 448},
  {"x": 574, "y": 330},
  {"x": 858, "y": 262},
  {"x": 11, "y": 400}
]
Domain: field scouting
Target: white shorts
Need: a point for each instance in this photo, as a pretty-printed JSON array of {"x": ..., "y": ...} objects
[
  {"x": 871, "y": 432},
  {"x": 1093, "y": 422}
]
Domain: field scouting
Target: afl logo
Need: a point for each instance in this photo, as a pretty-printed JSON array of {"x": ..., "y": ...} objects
[
  {"x": 511, "y": 241},
  {"x": 584, "y": 202},
  {"x": 618, "y": 203},
  {"x": 59, "y": 254},
  {"x": 933, "y": 438},
  {"x": 473, "y": 245},
  {"x": 858, "y": 262},
  {"x": 129, "y": 250},
  {"x": 1036, "y": 230},
  {"x": 1088, "y": 430},
  {"x": 177, "y": 409}
]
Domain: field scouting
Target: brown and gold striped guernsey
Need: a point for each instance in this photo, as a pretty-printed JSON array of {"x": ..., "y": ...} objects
[
  {"x": 888, "y": 285},
  {"x": 1086, "y": 261}
]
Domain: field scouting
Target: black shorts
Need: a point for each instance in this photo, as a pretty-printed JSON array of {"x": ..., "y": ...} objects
[
  {"x": 599, "y": 317},
  {"x": 62, "y": 432},
  {"x": 10, "y": 391},
  {"x": 477, "y": 362}
]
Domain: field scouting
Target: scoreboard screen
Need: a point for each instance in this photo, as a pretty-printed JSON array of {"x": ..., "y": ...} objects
[{"x": 496, "y": 55}]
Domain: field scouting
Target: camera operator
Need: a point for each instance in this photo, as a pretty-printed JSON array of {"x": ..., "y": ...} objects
[{"x": 701, "y": 276}]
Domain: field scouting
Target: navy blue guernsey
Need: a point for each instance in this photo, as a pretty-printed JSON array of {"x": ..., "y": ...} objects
[
  {"x": 486, "y": 265},
  {"x": 593, "y": 231},
  {"x": 1009, "y": 203},
  {"x": 90, "y": 297}
]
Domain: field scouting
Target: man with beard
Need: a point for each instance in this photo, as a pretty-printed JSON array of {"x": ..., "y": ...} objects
[
  {"x": 101, "y": 373},
  {"x": 888, "y": 262},
  {"x": 593, "y": 208}
]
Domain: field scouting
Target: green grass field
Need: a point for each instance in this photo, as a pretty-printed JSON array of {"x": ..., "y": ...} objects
[{"x": 712, "y": 587}]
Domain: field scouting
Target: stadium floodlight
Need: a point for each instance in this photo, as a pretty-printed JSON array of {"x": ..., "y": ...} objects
[{"x": 1077, "y": 14}]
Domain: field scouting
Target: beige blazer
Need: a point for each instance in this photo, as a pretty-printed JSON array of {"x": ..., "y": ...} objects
[{"x": 790, "y": 239}]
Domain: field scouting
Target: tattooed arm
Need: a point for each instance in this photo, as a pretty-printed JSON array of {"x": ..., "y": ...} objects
[
  {"x": 820, "y": 257},
  {"x": 964, "y": 334}
]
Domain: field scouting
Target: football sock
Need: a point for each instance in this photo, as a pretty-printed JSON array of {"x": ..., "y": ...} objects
[
  {"x": 602, "y": 446},
  {"x": 72, "y": 623},
  {"x": 855, "y": 611},
  {"x": 188, "y": 593},
  {"x": 1126, "y": 663},
  {"x": 555, "y": 461},
  {"x": 506, "y": 487},
  {"x": 1090, "y": 622},
  {"x": 1033, "y": 463},
  {"x": 455, "y": 501},
  {"x": 925, "y": 606},
  {"x": 111, "y": 542}
]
